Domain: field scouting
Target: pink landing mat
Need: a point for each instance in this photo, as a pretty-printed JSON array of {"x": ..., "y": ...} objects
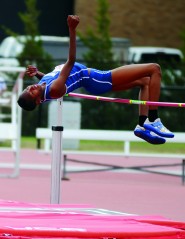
[{"x": 25, "y": 220}]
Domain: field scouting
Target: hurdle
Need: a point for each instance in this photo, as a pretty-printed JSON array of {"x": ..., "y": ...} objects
[{"x": 12, "y": 130}]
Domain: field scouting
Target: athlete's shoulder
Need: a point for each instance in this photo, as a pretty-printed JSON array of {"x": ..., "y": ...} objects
[{"x": 59, "y": 67}]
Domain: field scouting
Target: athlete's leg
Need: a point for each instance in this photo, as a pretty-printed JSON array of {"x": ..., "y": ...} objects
[
  {"x": 148, "y": 78},
  {"x": 140, "y": 131},
  {"x": 143, "y": 84},
  {"x": 148, "y": 75}
]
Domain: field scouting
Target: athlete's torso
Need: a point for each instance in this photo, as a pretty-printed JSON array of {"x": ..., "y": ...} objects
[
  {"x": 94, "y": 81},
  {"x": 73, "y": 82}
]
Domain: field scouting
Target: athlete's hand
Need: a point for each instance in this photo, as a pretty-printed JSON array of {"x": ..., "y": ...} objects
[
  {"x": 31, "y": 70},
  {"x": 73, "y": 21}
]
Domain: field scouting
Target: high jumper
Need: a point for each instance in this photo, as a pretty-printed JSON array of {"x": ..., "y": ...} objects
[{"x": 71, "y": 75}]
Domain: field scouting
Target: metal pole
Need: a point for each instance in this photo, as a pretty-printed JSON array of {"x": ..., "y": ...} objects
[
  {"x": 18, "y": 122},
  {"x": 56, "y": 157}
]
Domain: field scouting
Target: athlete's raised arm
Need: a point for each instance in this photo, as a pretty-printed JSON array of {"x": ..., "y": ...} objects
[{"x": 58, "y": 88}]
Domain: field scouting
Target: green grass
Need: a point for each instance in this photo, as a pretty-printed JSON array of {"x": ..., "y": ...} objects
[
  {"x": 142, "y": 147},
  {"x": 175, "y": 148},
  {"x": 28, "y": 142},
  {"x": 91, "y": 145}
]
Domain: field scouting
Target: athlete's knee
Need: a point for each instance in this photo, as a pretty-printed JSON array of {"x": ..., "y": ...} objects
[
  {"x": 144, "y": 82},
  {"x": 156, "y": 69}
]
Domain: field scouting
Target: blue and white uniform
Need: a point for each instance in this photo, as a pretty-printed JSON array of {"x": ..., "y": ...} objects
[{"x": 97, "y": 82}]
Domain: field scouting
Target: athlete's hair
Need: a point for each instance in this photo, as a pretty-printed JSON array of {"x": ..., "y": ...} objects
[{"x": 26, "y": 102}]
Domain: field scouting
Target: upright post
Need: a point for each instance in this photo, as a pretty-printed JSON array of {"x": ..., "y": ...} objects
[
  {"x": 18, "y": 121},
  {"x": 56, "y": 156}
]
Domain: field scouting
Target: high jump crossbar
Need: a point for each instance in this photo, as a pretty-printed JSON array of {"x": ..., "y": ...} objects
[{"x": 126, "y": 101}]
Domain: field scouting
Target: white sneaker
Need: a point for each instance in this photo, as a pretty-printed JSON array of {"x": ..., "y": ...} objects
[
  {"x": 158, "y": 128},
  {"x": 148, "y": 136}
]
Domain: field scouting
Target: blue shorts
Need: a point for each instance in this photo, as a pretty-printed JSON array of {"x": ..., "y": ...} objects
[{"x": 98, "y": 82}]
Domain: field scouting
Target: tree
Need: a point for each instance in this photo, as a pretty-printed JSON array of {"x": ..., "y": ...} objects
[
  {"x": 32, "y": 53},
  {"x": 99, "y": 55},
  {"x": 98, "y": 41}
]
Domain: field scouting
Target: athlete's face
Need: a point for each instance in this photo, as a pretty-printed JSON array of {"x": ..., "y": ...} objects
[{"x": 35, "y": 92}]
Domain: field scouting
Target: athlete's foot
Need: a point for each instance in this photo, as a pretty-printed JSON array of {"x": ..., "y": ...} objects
[
  {"x": 148, "y": 136},
  {"x": 158, "y": 128}
]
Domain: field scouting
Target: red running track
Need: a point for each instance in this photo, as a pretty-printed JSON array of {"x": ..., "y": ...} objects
[{"x": 124, "y": 191}]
